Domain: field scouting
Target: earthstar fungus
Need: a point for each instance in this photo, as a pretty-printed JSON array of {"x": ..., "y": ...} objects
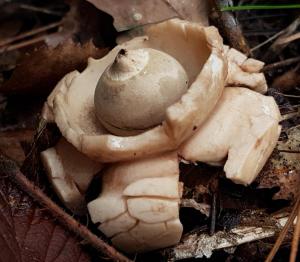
[{"x": 173, "y": 93}]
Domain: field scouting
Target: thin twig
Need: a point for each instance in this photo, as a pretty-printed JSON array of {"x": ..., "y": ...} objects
[
  {"x": 276, "y": 46},
  {"x": 288, "y": 39},
  {"x": 40, "y": 9},
  {"x": 30, "y": 33},
  {"x": 37, "y": 194},
  {"x": 24, "y": 44},
  {"x": 259, "y": 7},
  {"x": 268, "y": 40},
  {"x": 289, "y": 151},
  {"x": 286, "y": 32},
  {"x": 214, "y": 188},
  {"x": 229, "y": 26},
  {"x": 296, "y": 237},
  {"x": 212, "y": 228},
  {"x": 281, "y": 64},
  {"x": 285, "y": 95},
  {"x": 284, "y": 231}
]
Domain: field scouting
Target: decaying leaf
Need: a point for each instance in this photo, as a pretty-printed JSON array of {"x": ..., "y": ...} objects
[
  {"x": 11, "y": 144},
  {"x": 39, "y": 72},
  {"x": 283, "y": 168},
  {"x": 44, "y": 63},
  {"x": 198, "y": 245},
  {"x": 130, "y": 14},
  {"x": 29, "y": 233},
  {"x": 286, "y": 81}
]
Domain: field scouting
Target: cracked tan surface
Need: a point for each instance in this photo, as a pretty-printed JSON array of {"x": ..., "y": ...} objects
[
  {"x": 139, "y": 203},
  {"x": 70, "y": 173}
]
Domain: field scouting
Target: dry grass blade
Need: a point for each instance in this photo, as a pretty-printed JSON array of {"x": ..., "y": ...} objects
[
  {"x": 296, "y": 237},
  {"x": 284, "y": 231}
]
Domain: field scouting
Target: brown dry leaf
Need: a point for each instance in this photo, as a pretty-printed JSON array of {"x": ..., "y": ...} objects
[
  {"x": 129, "y": 14},
  {"x": 39, "y": 72},
  {"x": 29, "y": 233},
  {"x": 11, "y": 144},
  {"x": 283, "y": 168},
  {"x": 287, "y": 81}
]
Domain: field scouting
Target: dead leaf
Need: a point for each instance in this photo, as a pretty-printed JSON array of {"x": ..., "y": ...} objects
[
  {"x": 11, "y": 144},
  {"x": 129, "y": 14},
  {"x": 198, "y": 244},
  {"x": 39, "y": 72},
  {"x": 283, "y": 168},
  {"x": 29, "y": 233},
  {"x": 287, "y": 81}
]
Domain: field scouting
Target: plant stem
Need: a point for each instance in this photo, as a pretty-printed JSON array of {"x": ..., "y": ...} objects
[{"x": 259, "y": 7}]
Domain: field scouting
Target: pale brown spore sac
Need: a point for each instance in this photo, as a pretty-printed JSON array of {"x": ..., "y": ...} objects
[{"x": 134, "y": 92}]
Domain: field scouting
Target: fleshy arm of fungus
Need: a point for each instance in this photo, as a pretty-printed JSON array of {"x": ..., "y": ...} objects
[
  {"x": 70, "y": 173},
  {"x": 139, "y": 204},
  {"x": 244, "y": 127},
  {"x": 244, "y": 72}
]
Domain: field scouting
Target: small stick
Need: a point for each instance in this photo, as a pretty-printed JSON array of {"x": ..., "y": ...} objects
[
  {"x": 281, "y": 64},
  {"x": 284, "y": 231},
  {"x": 289, "y": 151},
  {"x": 37, "y": 194},
  {"x": 229, "y": 26},
  {"x": 30, "y": 33},
  {"x": 288, "y": 39},
  {"x": 286, "y": 32},
  {"x": 268, "y": 40},
  {"x": 214, "y": 187},
  {"x": 212, "y": 228},
  {"x": 23, "y": 44},
  {"x": 39, "y": 9},
  {"x": 296, "y": 237}
]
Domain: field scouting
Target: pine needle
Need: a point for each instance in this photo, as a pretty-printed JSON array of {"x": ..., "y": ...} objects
[{"x": 259, "y": 7}]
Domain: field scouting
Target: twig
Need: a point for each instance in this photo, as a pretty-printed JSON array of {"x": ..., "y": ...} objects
[
  {"x": 212, "y": 228},
  {"x": 268, "y": 40},
  {"x": 276, "y": 46},
  {"x": 30, "y": 33},
  {"x": 281, "y": 64},
  {"x": 289, "y": 115},
  {"x": 296, "y": 237},
  {"x": 23, "y": 44},
  {"x": 230, "y": 27},
  {"x": 40, "y": 9},
  {"x": 284, "y": 231},
  {"x": 289, "y": 151},
  {"x": 64, "y": 218},
  {"x": 285, "y": 32},
  {"x": 259, "y": 7},
  {"x": 285, "y": 95},
  {"x": 288, "y": 39},
  {"x": 214, "y": 188},
  {"x": 201, "y": 207}
]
